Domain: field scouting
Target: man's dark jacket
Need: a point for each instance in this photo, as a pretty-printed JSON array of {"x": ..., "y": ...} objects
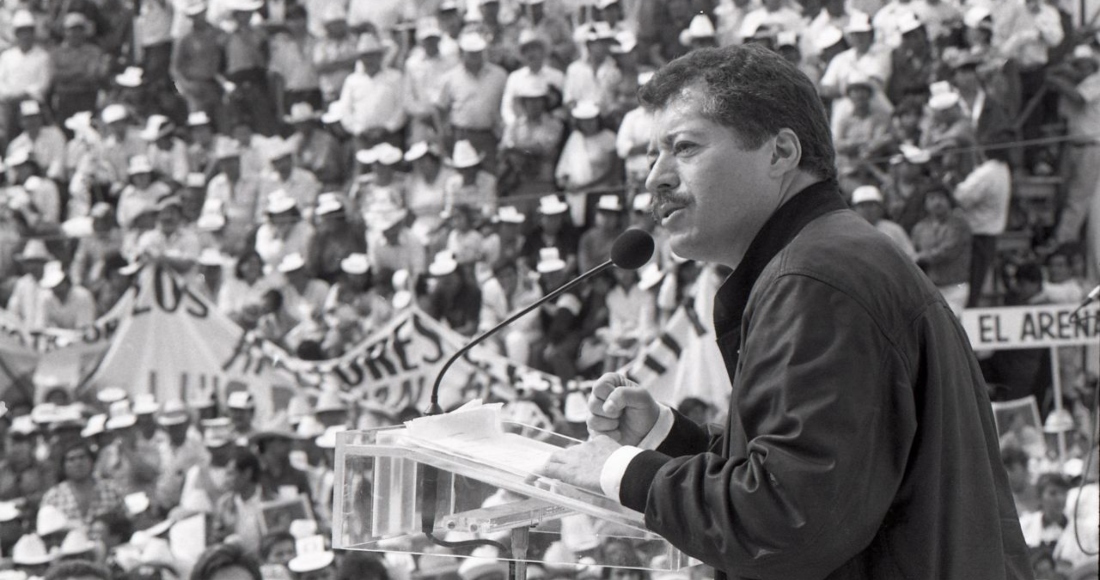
[{"x": 860, "y": 441}]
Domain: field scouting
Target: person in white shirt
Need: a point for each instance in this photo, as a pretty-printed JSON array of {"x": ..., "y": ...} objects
[
  {"x": 61, "y": 303},
  {"x": 24, "y": 302},
  {"x": 836, "y": 14},
  {"x": 170, "y": 243},
  {"x": 424, "y": 70},
  {"x": 868, "y": 202},
  {"x": 593, "y": 78},
  {"x": 1026, "y": 30},
  {"x": 983, "y": 197},
  {"x": 632, "y": 142},
  {"x": 865, "y": 57},
  {"x": 1079, "y": 86},
  {"x": 774, "y": 14},
  {"x": 729, "y": 15},
  {"x": 533, "y": 48},
  {"x": 888, "y": 19},
  {"x": 373, "y": 97},
  {"x": 45, "y": 141},
  {"x": 25, "y": 70}
]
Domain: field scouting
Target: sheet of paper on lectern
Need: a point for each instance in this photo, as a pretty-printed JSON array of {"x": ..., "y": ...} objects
[{"x": 475, "y": 431}]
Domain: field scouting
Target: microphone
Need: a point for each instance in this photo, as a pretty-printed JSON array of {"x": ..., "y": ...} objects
[{"x": 631, "y": 250}]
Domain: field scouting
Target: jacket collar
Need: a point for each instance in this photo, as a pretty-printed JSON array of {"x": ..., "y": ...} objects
[{"x": 807, "y": 205}]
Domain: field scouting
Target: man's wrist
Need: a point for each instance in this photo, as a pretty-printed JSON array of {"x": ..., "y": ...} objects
[
  {"x": 660, "y": 429},
  {"x": 613, "y": 470}
]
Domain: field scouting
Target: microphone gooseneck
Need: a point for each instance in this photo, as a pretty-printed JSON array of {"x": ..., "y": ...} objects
[{"x": 631, "y": 250}]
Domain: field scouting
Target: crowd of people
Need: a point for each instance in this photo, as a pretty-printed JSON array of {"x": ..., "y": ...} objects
[{"x": 314, "y": 167}]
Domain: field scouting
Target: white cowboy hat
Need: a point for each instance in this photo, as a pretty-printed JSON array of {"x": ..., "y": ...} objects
[
  {"x": 420, "y": 149},
  {"x": 120, "y": 416},
  {"x": 328, "y": 439},
  {"x": 355, "y": 264},
  {"x": 30, "y": 108},
  {"x": 387, "y": 154},
  {"x": 550, "y": 261},
  {"x": 52, "y": 276},
  {"x": 552, "y": 205},
  {"x": 197, "y": 119},
  {"x": 610, "y": 203},
  {"x": 301, "y": 113},
  {"x": 96, "y": 424},
  {"x": 132, "y": 77},
  {"x": 291, "y": 262},
  {"x": 156, "y": 127},
  {"x": 585, "y": 110},
  {"x": 240, "y": 400},
  {"x": 50, "y": 520},
  {"x": 139, "y": 164},
  {"x": 443, "y": 264},
  {"x": 114, "y": 113},
  {"x": 279, "y": 202},
  {"x": 508, "y": 214},
  {"x": 472, "y": 42},
  {"x": 174, "y": 413},
  {"x": 866, "y": 193},
  {"x": 30, "y": 550},
  {"x": 465, "y": 155}
]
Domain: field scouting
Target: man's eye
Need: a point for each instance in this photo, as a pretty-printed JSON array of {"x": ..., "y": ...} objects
[{"x": 682, "y": 147}]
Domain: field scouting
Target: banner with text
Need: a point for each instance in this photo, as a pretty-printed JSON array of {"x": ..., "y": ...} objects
[{"x": 1031, "y": 326}]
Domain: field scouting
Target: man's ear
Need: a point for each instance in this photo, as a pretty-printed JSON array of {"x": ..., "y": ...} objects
[{"x": 786, "y": 153}]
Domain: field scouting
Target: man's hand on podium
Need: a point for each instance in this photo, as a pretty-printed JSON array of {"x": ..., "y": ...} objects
[
  {"x": 621, "y": 410},
  {"x": 580, "y": 465}
]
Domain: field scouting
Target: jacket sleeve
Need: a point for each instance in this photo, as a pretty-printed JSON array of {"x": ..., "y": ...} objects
[{"x": 822, "y": 423}]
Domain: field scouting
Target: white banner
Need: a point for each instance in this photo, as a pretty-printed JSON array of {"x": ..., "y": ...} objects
[{"x": 1031, "y": 326}]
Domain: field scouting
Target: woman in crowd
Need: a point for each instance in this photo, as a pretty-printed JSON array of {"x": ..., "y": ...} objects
[{"x": 80, "y": 495}]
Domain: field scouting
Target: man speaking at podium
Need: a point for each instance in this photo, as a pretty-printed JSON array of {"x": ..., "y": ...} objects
[{"x": 860, "y": 441}]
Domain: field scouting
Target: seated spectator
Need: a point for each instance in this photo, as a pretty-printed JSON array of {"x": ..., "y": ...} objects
[
  {"x": 171, "y": 244},
  {"x": 63, "y": 304},
  {"x": 632, "y": 318},
  {"x": 303, "y": 295},
  {"x": 203, "y": 144},
  {"x": 588, "y": 159},
  {"x": 427, "y": 184},
  {"x": 316, "y": 150},
  {"x": 453, "y": 296},
  {"x": 278, "y": 478},
  {"x": 904, "y": 188},
  {"x": 167, "y": 152},
  {"x": 81, "y": 495},
  {"x": 1043, "y": 527},
  {"x": 372, "y": 98},
  {"x": 533, "y": 48},
  {"x": 394, "y": 246},
  {"x": 594, "y": 246},
  {"x": 241, "y": 295},
  {"x": 296, "y": 182},
  {"x": 24, "y": 300},
  {"x": 25, "y": 71},
  {"x": 89, "y": 258},
  {"x": 283, "y": 231},
  {"x": 143, "y": 192},
  {"x": 336, "y": 238},
  {"x": 470, "y": 98},
  {"x": 45, "y": 142},
  {"x": 32, "y": 197},
  {"x": 942, "y": 241},
  {"x": 868, "y": 202},
  {"x": 505, "y": 242},
  {"x": 384, "y": 188},
  {"x": 222, "y": 561},
  {"x": 912, "y": 62},
  {"x": 529, "y": 148},
  {"x": 239, "y": 511},
  {"x": 237, "y": 195},
  {"x": 464, "y": 240},
  {"x": 950, "y": 136},
  {"x": 424, "y": 73},
  {"x": 593, "y": 79},
  {"x": 296, "y": 79},
  {"x": 557, "y": 352},
  {"x": 505, "y": 291},
  {"x": 354, "y": 307},
  {"x": 857, "y": 131},
  {"x": 79, "y": 68},
  {"x": 471, "y": 184},
  {"x": 22, "y": 477},
  {"x": 555, "y": 229}
]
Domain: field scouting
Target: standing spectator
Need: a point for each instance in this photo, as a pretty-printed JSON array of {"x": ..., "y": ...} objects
[
  {"x": 453, "y": 296},
  {"x": 143, "y": 192},
  {"x": 303, "y": 295},
  {"x": 90, "y": 258},
  {"x": 464, "y": 241},
  {"x": 81, "y": 495},
  {"x": 834, "y": 14},
  {"x": 335, "y": 54},
  {"x": 950, "y": 136},
  {"x": 533, "y": 49},
  {"x": 988, "y": 115},
  {"x": 45, "y": 142},
  {"x": 865, "y": 58},
  {"x": 1079, "y": 87},
  {"x": 424, "y": 73},
  {"x": 278, "y": 478},
  {"x": 79, "y": 69},
  {"x": 529, "y": 148},
  {"x": 153, "y": 31},
  {"x": 554, "y": 29},
  {"x": 246, "y": 60},
  {"x": 394, "y": 246},
  {"x": 316, "y": 150},
  {"x": 35, "y": 199},
  {"x": 912, "y": 62},
  {"x": 594, "y": 77},
  {"x": 942, "y": 241},
  {"x": 868, "y": 202},
  {"x": 25, "y": 70},
  {"x": 425, "y": 197},
  {"x": 858, "y": 130},
  {"x": 561, "y": 338},
  {"x": 198, "y": 59},
  {"x": 383, "y": 189},
  {"x": 983, "y": 196},
  {"x": 774, "y": 14},
  {"x": 372, "y": 100},
  {"x": 1025, "y": 31},
  {"x": 554, "y": 230},
  {"x": 469, "y": 103},
  {"x": 896, "y": 15},
  {"x": 63, "y": 304},
  {"x": 296, "y": 77}
]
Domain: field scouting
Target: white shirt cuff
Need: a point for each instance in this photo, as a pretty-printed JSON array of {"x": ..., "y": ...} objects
[{"x": 611, "y": 475}]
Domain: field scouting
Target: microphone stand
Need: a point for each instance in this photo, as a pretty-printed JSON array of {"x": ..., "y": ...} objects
[{"x": 433, "y": 406}]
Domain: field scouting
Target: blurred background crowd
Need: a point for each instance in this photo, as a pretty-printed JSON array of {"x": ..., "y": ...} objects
[{"x": 315, "y": 167}]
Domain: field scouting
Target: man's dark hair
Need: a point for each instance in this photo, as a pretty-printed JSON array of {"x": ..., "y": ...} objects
[
  {"x": 268, "y": 543},
  {"x": 77, "y": 569},
  {"x": 755, "y": 92},
  {"x": 243, "y": 459},
  {"x": 221, "y": 556},
  {"x": 1029, "y": 272},
  {"x": 117, "y": 524},
  {"x": 357, "y": 565}
]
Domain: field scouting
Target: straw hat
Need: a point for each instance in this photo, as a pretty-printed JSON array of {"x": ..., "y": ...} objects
[
  {"x": 700, "y": 27},
  {"x": 301, "y": 113},
  {"x": 532, "y": 87},
  {"x": 132, "y": 77},
  {"x": 908, "y": 22},
  {"x": 552, "y": 205},
  {"x": 786, "y": 38},
  {"x": 625, "y": 42},
  {"x": 369, "y": 44},
  {"x": 145, "y": 404},
  {"x": 978, "y": 17},
  {"x": 19, "y": 157},
  {"x": 355, "y": 264},
  {"x": 74, "y": 19},
  {"x": 550, "y": 261},
  {"x": 311, "y": 562},
  {"x": 387, "y": 154},
  {"x": 279, "y": 202},
  {"x": 114, "y": 113},
  {"x": 328, "y": 439},
  {"x": 120, "y": 416},
  {"x": 22, "y": 19},
  {"x": 9, "y": 511},
  {"x": 865, "y": 194},
  {"x": 827, "y": 37},
  {"x": 642, "y": 202},
  {"x": 651, "y": 276},
  {"x": 50, "y": 520},
  {"x": 420, "y": 149},
  {"x": 585, "y": 110},
  {"x": 30, "y": 550},
  {"x": 508, "y": 214},
  {"x": 309, "y": 428},
  {"x": 279, "y": 148},
  {"x": 276, "y": 428},
  {"x": 443, "y": 264},
  {"x": 429, "y": 28},
  {"x": 76, "y": 543},
  {"x": 240, "y": 400},
  {"x": 245, "y": 5},
  {"x": 23, "y": 426},
  {"x": 328, "y": 204},
  {"x": 52, "y": 276},
  {"x": 943, "y": 96},
  {"x": 35, "y": 249},
  {"x": 174, "y": 413},
  {"x": 198, "y": 119},
  {"x": 465, "y": 155},
  {"x": 858, "y": 22},
  {"x": 610, "y": 203},
  {"x": 472, "y": 42},
  {"x": 30, "y": 108},
  {"x": 330, "y": 401},
  {"x": 96, "y": 424},
  {"x": 291, "y": 262},
  {"x": 138, "y": 165},
  {"x": 217, "y": 432}
]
